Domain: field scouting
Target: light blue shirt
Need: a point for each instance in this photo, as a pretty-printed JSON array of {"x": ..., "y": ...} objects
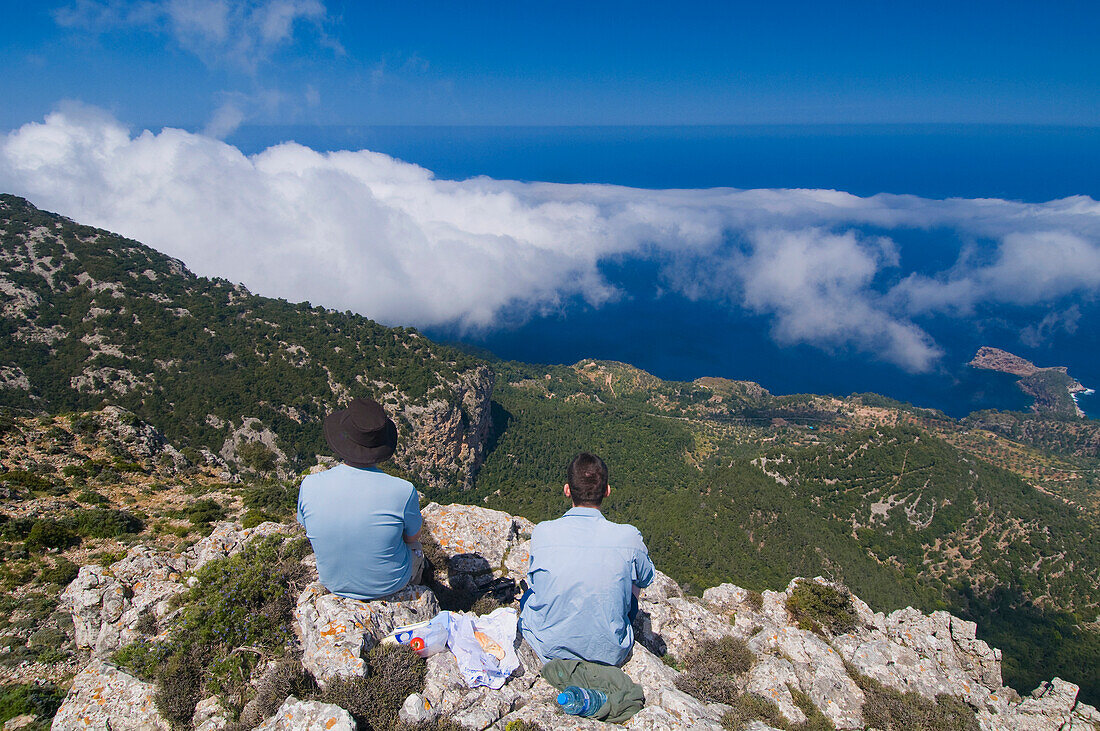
[
  {"x": 581, "y": 577},
  {"x": 356, "y": 520}
]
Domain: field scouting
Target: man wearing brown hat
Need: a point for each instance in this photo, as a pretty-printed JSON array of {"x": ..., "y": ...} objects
[{"x": 364, "y": 525}]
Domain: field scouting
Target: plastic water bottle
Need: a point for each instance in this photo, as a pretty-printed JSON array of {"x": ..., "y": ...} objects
[{"x": 578, "y": 701}]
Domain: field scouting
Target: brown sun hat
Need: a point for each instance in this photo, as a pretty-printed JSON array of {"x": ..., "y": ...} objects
[{"x": 361, "y": 435}]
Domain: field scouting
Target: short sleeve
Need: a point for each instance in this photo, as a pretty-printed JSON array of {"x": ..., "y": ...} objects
[{"x": 413, "y": 520}]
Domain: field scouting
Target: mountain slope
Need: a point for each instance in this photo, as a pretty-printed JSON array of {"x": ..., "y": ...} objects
[
  {"x": 726, "y": 481},
  {"x": 92, "y": 317}
]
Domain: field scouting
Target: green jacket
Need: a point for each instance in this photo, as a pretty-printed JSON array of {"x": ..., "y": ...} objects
[{"x": 624, "y": 696}]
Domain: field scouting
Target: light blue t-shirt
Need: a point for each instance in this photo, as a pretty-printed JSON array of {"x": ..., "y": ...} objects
[
  {"x": 582, "y": 571},
  {"x": 355, "y": 519}
]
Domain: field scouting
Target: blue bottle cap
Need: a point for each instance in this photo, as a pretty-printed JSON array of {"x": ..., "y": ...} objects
[{"x": 563, "y": 699}]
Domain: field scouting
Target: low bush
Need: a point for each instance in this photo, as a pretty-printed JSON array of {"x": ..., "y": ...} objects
[
  {"x": 237, "y": 614},
  {"x": 819, "y": 607},
  {"x": 257, "y": 456},
  {"x": 283, "y": 678},
  {"x": 890, "y": 710},
  {"x": 84, "y": 424},
  {"x": 106, "y": 523},
  {"x": 277, "y": 499},
  {"x": 31, "y": 481},
  {"x": 747, "y": 707},
  {"x": 41, "y": 701},
  {"x": 62, "y": 572},
  {"x": 712, "y": 670},
  {"x": 395, "y": 671},
  {"x": 92, "y": 497},
  {"x": 49, "y": 533},
  {"x": 204, "y": 512}
]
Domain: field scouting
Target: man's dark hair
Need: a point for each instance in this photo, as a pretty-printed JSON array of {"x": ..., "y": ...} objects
[{"x": 587, "y": 478}]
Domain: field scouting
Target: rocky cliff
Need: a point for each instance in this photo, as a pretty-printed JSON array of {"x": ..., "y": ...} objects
[{"x": 797, "y": 668}]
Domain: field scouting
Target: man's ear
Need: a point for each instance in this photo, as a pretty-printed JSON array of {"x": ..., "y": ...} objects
[
  {"x": 608, "y": 490},
  {"x": 565, "y": 490}
]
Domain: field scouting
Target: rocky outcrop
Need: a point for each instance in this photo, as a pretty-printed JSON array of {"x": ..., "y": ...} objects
[
  {"x": 443, "y": 442},
  {"x": 102, "y": 696},
  {"x": 295, "y": 714},
  {"x": 480, "y": 544},
  {"x": 336, "y": 632},
  {"x": 904, "y": 650},
  {"x": 995, "y": 359},
  {"x": 113, "y": 606}
]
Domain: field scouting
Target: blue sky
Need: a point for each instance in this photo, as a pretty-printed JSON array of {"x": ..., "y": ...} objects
[{"x": 212, "y": 64}]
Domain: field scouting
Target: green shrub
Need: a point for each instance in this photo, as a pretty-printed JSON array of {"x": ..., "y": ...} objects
[
  {"x": 257, "y": 456},
  {"x": 253, "y": 518},
  {"x": 41, "y": 701},
  {"x": 84, "y": 424},
  {"x": 106, "y": 523},
  {"x": 140, "y": 658},
  {"x": 755, "y": 600},
  {"x": 890, "y": 710},
  {"x": 712, "y": 669},
  {"x": 92, "y": 497},
  {"x": 204, "y": 512},
  {"x": 27, "y": 480},
  {"x": 48, "y": 533},
  {"x": 244, "y": 600},
  {"x": 279, "y": 499},
  {"x": 62, "y": 572},
  {"x": 59, "y": 435},
  {"x": 817, "y": 607}
]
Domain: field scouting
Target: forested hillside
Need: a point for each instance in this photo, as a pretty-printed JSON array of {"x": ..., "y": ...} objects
[
  {"x": 727, "y": 481},
  {"x": 91, "y": 317}
]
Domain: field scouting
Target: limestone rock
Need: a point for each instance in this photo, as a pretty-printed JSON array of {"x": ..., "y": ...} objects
[
  {"x": 447, "y": 694},
  {"x": 335, "y": 632},
  {"x": 677, "y": 625},
  {"x": 820, "y": 672},
  {"x": 229, "y": 538},
  {"x": 296, "y": 715},
  {"x": 479, "y": 543},
  {"x": 442, "y": 442},
  {"x": 108, "y": 604},
  {"x": 210, "y": 715},
  {"x": 102, "y": 696}
]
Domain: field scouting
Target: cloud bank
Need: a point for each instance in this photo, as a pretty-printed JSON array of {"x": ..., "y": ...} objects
[{"x": 367, "y": 232}]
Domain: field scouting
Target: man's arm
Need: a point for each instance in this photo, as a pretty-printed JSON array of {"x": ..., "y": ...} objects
[
  {"x": 413, "y": 519},
  {"x": 643, "y": 566}
]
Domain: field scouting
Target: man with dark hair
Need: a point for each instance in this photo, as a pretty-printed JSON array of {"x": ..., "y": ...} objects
[
  {"x": 584, "y": 576},
  {"x": 364, "y": 525}
]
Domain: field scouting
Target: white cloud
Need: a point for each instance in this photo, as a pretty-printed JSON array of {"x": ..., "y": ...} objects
[
  {"x": 363, "y": 231},
  {"x": 238, "y": 33}
]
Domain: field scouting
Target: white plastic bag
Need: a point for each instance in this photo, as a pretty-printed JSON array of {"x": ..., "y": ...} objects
[
  {"x": 425, "y": 638},
  {"x": 485, "y": 646}
]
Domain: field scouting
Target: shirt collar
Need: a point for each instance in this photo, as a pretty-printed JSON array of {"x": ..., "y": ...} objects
[{"x": 584, "y": 512}]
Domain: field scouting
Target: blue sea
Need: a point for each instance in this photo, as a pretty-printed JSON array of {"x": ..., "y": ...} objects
[{"x": 676, "y": 338}]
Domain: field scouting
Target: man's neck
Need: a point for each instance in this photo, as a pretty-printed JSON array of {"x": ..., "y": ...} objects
[{"x": 587, "y": 505}]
